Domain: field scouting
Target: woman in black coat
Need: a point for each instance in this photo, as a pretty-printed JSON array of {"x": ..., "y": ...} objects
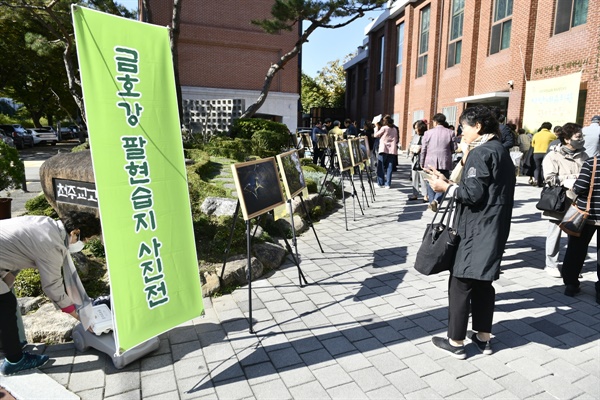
[{"x": 485, "y": 197}]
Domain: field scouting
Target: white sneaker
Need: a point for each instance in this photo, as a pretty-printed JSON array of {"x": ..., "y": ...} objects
[{"x": 553, "y": 272}]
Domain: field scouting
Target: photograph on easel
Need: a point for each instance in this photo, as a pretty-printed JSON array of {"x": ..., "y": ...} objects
[
  {"x": 355, "y": 152},
  {"x": 306, "y": 141},
  {"x": 331, "y": 141},
  {"x": 364, "y": 148},
  {"x": 291, "y": 173},
  {"x": 322, "y": 140},
  {"x": 258, "y": 186},
  {"x": 343, "y": 151}
]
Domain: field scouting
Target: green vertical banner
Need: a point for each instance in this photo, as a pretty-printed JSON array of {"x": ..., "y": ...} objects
[{"x": 141, "y": 182}]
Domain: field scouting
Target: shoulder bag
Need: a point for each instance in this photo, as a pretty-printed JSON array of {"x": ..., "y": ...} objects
[
  {"x": 574, "y": 219},
  {"x": 553, "y": 198},
  {"x": 440, "y": 242}
]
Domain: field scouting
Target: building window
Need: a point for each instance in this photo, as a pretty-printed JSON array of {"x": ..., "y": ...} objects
[
  {"x": 500, "y": 39},
  {"x": 423, "y": 42},
  {"x": 569, "y": 14},
  {"x": 400, "y": 53},
  {"x": 380, "y": 66},
  {"x": 365, "y": 81},
  {"x": 456, "y": 31},
  {"x": 450, "y": 113},
  {"x": 418, "y": 115}
]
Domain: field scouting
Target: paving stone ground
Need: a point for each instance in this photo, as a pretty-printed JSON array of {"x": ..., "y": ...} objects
[{"x": 362, "y": 328}]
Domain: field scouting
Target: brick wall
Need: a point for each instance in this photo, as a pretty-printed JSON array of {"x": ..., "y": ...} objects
[
  {"x": 220, "y": 48},
  {"x": 535, "y": 52}
]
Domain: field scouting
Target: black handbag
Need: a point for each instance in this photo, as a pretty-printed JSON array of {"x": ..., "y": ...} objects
[
  {"x": 553, "y": 198},
  {"x": 440, "y": 242}
]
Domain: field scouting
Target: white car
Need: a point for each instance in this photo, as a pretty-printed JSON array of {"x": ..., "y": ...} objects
[{"x": 43, "y": 135}]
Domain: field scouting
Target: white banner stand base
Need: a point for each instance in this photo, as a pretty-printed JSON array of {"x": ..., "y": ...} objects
[{"x": 106, "y": 343}]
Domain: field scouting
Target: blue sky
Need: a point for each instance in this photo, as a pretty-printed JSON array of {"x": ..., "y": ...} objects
[{"x": 324, "y": 44}]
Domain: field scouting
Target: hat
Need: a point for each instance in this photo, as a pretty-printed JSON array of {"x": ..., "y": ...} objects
[{"x": 596, "y": 118}]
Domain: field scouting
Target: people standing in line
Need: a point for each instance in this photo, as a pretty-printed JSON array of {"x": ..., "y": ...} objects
[
  {"x": 318, "y": 154},
  {"x": 540, "y": 142},
  {"x": 524, "y": 143},
  {"x": 375, "y": 148},
  {"x": 506, "y": 135},
  {"x": 43, "y": 244},
  {"x": 577, "y": 247},
  {"x": 336, "y": 131},
  {"x": 591, "y": 135},
  {"x": 485, "y": 199},
  {"x": 561, "y": 166},
  {"x": 418, "y": 183},
  {"x": 388, "y": 150},
  {"x": 436, "y": 152},
  {"x": 350, "y": 128}
]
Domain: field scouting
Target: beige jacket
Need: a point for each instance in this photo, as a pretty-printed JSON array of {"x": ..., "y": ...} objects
[{"x": 35, "y": 242}]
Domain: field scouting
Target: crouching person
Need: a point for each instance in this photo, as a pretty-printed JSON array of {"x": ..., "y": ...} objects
[{"x": 31, "y": 242}]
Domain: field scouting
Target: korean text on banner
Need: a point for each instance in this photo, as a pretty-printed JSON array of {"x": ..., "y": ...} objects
[
  {"x": 553, "y": 100},
  {"x": 135, "y": 139}
]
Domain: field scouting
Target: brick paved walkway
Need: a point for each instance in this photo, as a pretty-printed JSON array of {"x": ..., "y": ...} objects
[{"x": 362, "y": 329}]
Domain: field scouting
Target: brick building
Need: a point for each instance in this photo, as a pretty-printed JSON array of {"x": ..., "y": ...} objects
[
  {"x": 223, "y": 56},
  {"x": 424, "y": 57}
]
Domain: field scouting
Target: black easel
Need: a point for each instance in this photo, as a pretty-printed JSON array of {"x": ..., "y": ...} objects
[
  {"x": 309, "y": 220},
  {"x": 249, "y": 237},
  {"x": 370, "y": 180}
]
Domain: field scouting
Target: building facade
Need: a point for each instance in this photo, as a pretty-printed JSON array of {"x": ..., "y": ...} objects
[
  {"x": 424, "y": 57},
  {"x": 224, "y": 57}
]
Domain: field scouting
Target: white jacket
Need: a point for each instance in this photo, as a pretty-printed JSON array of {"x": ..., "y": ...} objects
[{"x": 35, "y": 242}]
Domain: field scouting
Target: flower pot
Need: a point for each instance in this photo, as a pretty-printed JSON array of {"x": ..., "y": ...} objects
[{"x": 5, "y": 203}]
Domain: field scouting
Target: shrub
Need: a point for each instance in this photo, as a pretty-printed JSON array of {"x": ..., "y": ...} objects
[
  {"x": 12, "y": 169},
  {"x": 267, "y": 143},
  {"x": 95, "y": 247},
  {"x": 316, "y": 213},
  {"x": 28, "y": 283},
  {"x": 81, "y": 147},
  {"x": 39, "y": 206},
  {"x": 245, "y": 128},
  {"x": 311, "y": 186},
  {"x": 236, "y": 149}
]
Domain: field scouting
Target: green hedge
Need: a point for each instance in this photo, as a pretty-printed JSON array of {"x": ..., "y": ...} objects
[
  {"x": 245, "y": 128},
  {"x": 235, "y": 149}
]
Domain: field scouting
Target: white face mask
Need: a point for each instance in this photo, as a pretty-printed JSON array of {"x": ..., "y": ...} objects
[{"x": 76, "y": 247}]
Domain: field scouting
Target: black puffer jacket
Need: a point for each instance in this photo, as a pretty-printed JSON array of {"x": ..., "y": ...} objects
[{"x": 485, "y": 198}]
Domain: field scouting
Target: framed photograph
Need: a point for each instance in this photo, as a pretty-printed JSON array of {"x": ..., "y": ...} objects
[
  {"x": 258, "y": 186},
  {"x": 355, "y": 154},
  {"x": 363, "y": 143},
  {"x": 291, "y": 172},
  {"x": 331, "y": 141},
  {"x": 306, "y": 141},
  {"x": 322, "y": 141},
  {"x": 343, "y": 151}
]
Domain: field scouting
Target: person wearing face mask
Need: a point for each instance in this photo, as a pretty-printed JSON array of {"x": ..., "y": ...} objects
[
  {"x": 43, "y": 244},
  {"x": 561, "y": 166}
]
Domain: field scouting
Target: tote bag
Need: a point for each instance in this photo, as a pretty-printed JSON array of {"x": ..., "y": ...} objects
[{"x": 440, "y": 242}]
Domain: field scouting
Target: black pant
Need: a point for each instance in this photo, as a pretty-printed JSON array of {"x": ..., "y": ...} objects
[
  {"x": 577, "y": 248},
  {"x": 463, "y": 293},
  {"x": 9, "y": 332},
  {"x": 538, "y": 173},
  {"x": 318, "y": 155}
]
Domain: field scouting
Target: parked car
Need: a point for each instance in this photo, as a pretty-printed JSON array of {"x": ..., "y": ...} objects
[
  {"x": 18, "y": 134},
  {"x": 6, "y": 139},
  {"x": 66, "y": 133},
  {"x": 43, "y": 135}
]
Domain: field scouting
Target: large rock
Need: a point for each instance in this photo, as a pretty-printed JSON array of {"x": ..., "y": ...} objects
[
  {"x": 269, "y": 254},
  {"x": 212, "y": 285},
  {"x": 235, "y": 270},
  {"x": 284, "y": 225},
  {"x": 76, "y": 167},
  {"x": 218, "y": 206},
  {"x": 48, "y": 325},
  {"x": 29, "y": 304}
]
